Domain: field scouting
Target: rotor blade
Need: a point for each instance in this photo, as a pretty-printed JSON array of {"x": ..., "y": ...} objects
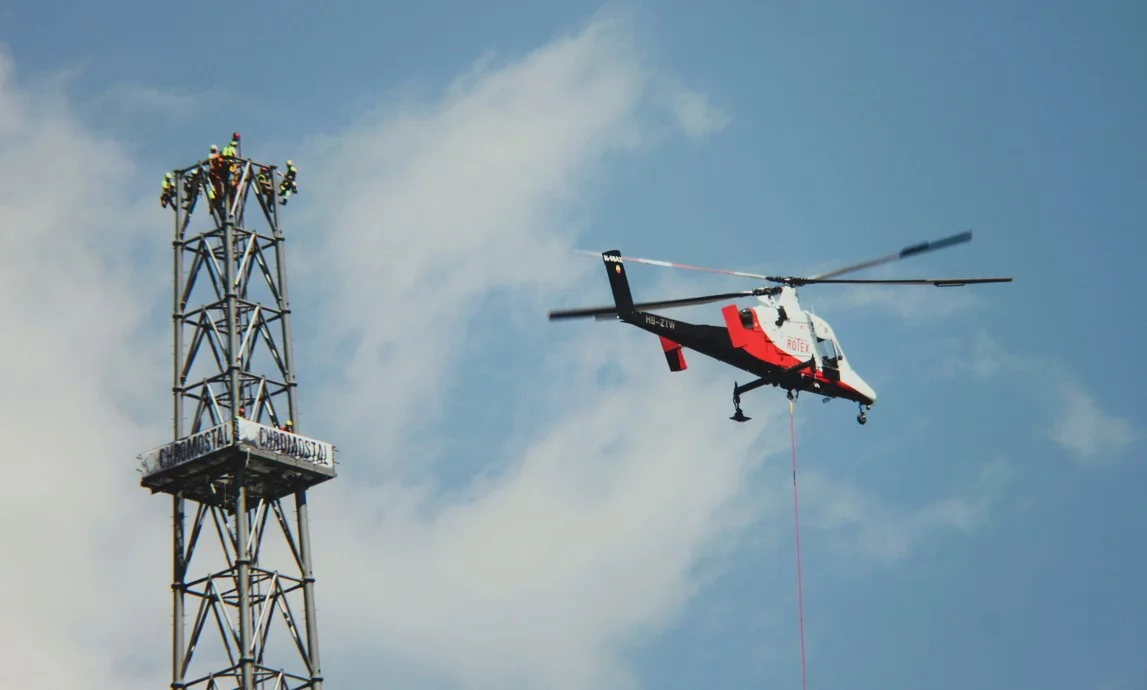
[
  {"x": 668, "y": 264},
  {"x": 603, "y": 313},
  {"x": 913, "y": 250},
  {"x": 938, "y": 282},
  {"x": 599, "y": 313}
]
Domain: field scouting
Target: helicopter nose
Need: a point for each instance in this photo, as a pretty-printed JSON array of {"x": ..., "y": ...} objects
[{"x": 861, "y": 386}]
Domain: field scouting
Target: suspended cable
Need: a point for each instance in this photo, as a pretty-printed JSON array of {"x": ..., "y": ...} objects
[{"x": 797, "y": 535}]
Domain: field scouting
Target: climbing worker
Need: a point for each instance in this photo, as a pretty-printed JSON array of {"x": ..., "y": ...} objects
[
  {"x": 235, "y": 176},
  {"x": 263, "y": 184},
  {"x": 231, "y": 178},
  {"x": 213, "y": 160},
  {"x": 167, "y": 196},
  {"x": 232, "y": 148},
  {"x": 218, "y": 172},
  {"x": 190, "y": 187},
  {"x": 191, "y": 184},
  {"x": 288, "y": 185}
]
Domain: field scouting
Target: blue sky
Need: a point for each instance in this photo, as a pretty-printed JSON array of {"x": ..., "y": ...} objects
[{"x": 545, "y": 504}]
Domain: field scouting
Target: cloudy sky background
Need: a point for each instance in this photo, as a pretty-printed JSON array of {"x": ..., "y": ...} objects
[{"x": 528, "y": 505}]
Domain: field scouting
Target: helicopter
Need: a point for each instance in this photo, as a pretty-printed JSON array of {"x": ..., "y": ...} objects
[{"x": 778, "y": 341}]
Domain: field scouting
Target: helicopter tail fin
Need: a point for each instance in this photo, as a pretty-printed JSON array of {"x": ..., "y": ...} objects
[
  {"x": 618, "y": 282},
  {"x": 674, "y": 354}
]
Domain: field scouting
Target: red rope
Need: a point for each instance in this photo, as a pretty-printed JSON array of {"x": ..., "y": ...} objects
[{"x": 797, "y": 534}]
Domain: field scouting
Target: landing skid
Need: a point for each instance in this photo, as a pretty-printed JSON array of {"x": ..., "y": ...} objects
[{"x": 738, "y": 415}]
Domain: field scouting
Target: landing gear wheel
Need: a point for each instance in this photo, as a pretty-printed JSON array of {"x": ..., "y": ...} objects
[{"x": 862, "y": 418}]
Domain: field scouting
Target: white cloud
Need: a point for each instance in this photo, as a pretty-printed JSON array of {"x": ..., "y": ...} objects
[
  {"x": 141, "y": 97},
  {"x": 1078, "y": 425},
  {"x": 694, "y": 113},
  {"x": 596, "y": 532},
  {"x": 140, "y": 100},
  {"x": 542, "y": 577},
  {"x": 1085, "y": 430},
  {"x": 477, "y": 193},
  {"x": 877, "y": 532},
  {"x": 72, "y": 365},
  {"x": 989, "y": 358}
]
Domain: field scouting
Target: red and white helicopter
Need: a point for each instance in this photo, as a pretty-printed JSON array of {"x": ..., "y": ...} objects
[{"x": 777, "y": 341}]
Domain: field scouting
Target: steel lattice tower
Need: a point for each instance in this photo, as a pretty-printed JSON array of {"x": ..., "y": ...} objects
[{"x": 238, "y": 453}]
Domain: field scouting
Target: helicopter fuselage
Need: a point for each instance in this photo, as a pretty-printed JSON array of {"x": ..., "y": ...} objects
[{"x": 777, "y": 341}]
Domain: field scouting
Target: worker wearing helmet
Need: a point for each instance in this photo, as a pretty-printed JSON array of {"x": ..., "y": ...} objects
[
  {"x": 264, "y": 185},
  {"x": 232, "y": 148},
  {"x": 168, "y": 194},
  {"x": 230, "y": 156},
  {"x": 218, "y": 173},
  {"x": 191, "y": 184},
  {"x": 288, "y": 186}
]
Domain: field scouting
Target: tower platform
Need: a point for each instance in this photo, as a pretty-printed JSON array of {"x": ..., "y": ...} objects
[{"x": 202, "y": 466}]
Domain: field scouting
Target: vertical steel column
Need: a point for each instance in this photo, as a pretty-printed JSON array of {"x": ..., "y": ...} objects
[
  {"x": 177, "y": 539},
  {"x": 242, "y": 550},
  {"x": 285, "y": 318},
  {"x": 308, "y": 590},
  {"x": 243, "y": 566},
  {"x": 302, "y": 514}
]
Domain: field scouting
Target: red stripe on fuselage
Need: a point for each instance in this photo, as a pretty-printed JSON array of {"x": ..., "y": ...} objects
[{"x": 754, "y": 341}]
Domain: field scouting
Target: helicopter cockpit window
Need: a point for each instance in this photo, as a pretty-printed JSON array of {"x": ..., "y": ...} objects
[
  {"x": 837, "y": 352},
  {"x": 826, "y": 349}
]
